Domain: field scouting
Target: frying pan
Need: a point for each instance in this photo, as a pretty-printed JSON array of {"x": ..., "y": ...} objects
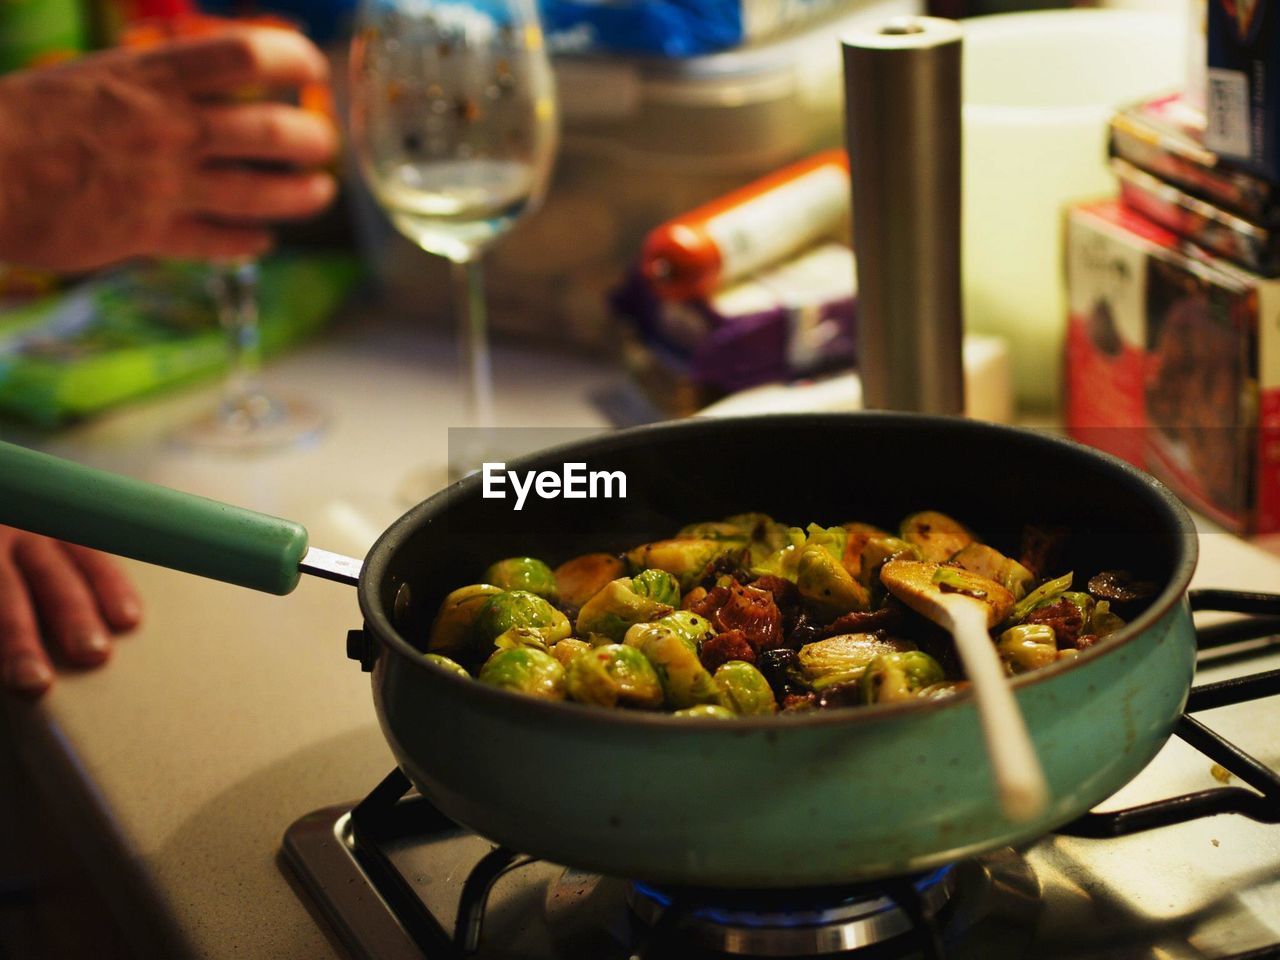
[{"x": 782, "y": 801}]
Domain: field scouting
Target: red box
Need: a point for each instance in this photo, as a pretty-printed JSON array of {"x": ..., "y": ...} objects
[{"x": 1173, "y": 363}]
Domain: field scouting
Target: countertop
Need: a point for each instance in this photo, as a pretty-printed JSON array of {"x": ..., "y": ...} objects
[{"x": 230, "y": 713}]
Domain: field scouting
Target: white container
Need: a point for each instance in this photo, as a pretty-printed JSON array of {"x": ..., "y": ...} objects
[{"x": 1038, "y": 91}]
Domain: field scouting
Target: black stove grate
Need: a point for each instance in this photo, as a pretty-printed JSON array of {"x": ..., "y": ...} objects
[
  {"x": 387, "y": 816},
  {"x": 1263, "y": 610}
]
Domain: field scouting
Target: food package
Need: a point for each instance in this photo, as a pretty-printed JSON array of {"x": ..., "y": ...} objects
[
  {"x": 1242, "y": 107},
  {"x": 1165, "y": 137},
  {"x": 1173, "y": 363},
  {"x": 147, "y": 326},
  {"x": 681, "y": 29},
  {"x": 1213, "y": 228},
  {"x": 790, "y": 320}
]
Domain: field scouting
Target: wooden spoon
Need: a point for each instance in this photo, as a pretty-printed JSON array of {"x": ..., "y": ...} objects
[{"x": 968, "y": 606}]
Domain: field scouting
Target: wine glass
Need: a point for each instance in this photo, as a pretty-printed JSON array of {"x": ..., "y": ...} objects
[
  {"x": 453, "y": 121},
  {"x": 247, "y": 418}
]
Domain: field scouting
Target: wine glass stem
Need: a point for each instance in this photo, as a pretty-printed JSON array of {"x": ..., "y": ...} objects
[
  {"x": 237, "y": 293},
  {"x": 473, "y": 339}
]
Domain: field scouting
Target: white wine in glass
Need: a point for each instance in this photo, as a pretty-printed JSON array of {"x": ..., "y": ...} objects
[{"x": 453, "y": 120}]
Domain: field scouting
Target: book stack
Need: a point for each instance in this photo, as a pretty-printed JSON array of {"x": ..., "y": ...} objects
[{"x": 1173, "y": 339}]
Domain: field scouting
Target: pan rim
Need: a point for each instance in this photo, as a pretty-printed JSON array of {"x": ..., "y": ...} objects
[{"x": 1173, "y": 595}]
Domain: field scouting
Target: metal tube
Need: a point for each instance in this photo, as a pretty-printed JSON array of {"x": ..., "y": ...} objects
[{"x": 902, "y": 104}]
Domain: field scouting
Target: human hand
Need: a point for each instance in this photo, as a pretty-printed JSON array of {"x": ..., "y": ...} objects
[
  {"x": 138, "y": 152},
  {"x": 79, "y": 596}
]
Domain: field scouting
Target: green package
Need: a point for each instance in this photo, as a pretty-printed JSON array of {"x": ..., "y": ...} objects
[{"x": 149, "y": 326}]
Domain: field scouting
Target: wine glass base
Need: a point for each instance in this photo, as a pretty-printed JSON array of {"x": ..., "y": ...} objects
[{"x": 253, "y": 425}]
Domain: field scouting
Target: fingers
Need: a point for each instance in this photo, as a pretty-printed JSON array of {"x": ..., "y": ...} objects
[
  {"x": 24, "y": 665},
  {"x": 243, "y": 57},
  {"x": 66, "y": 604},
  {"x": 235, "y": 193},
  {"x": 192, "y": 238},
  {"x": 268, "y": 131},
  {"x": 117, "y": 599}
]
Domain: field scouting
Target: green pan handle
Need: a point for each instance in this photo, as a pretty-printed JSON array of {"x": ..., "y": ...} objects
[{"x": 130, "y": 518}]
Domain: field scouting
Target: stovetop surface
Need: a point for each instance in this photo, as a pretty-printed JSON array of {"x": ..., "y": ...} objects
[{"x": 1203, "y": 890}]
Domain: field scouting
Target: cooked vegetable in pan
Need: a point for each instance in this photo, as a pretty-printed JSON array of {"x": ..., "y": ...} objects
[{"x": 746, "y": 616}]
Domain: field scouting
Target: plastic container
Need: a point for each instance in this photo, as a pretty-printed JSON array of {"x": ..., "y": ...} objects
[{"x": 1039, "y": 89}]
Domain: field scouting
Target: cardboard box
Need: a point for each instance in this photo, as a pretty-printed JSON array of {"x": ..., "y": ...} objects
[{"x": 1173, "y": 363}]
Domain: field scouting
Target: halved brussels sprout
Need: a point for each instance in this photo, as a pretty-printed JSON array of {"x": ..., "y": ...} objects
[
  {"x": 1047, "y": 591},
  {"x": 535, "y": 673},
  {"x": 685, "y": 682},
  {"x": 686, "y": 624},
  {"x": 568, "y": 648},
  {"x": 524, "y": 573},
  {"x": 657, "y": 585},
  {"x": 893, "y": 677},
  {"x": 786, "y": 559},
  {"x": 826, "y": 586},
  {"x": 846, "y": 655},
  {"x": 706, "y": 711},
  {"x": 519, "y": 608},
  {"x": 614, "y": 609},
  {"x": 712, "y": 530},
  {"x": 451, "y": 665},
  {"x": 614, "y": 675},
  {"x": 1027, "y": 647},
  {"x": 451, "y": 632},
  {"x": 522, "y": 637},
  {"x": 580, "y": 579},
  {"x": 744, "y": 690},
  {"x": 686, "y": 559},
  {"x": 1103, "y": 621},
  {"x": 988, "y": 562},
  {"x": 937, "y": 535}
]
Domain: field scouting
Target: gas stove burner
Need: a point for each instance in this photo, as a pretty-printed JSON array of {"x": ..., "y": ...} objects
[{"x": 783, "y": 923}]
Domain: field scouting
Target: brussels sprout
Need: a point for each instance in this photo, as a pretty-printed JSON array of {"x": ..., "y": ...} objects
[
  {"x": 568, "y": 648},
  {"x": 686, "y": 559},
  {"x": 1103, "y": 621},
  {"x": 614, "y": 675},
  {"x": 451, "y": 632},
  {"x": 857, "y": 536},
  {"x": 1049, "y": 590},
  {"x": 614, "y": 609},
  {"x": 685, "y": 681},
  {"x": 451, "y": 665},
  {"x": 580, "y": 579},
  {"x": 878, "y": 551},
  {"x": 892, "y": 677},
  {"x": 764, "y": 534},
  {"x": 521, "y": 637},
  {"x": 657, "y": 585},
  {"x": 519, "y": 608},
  {"x": 712, "y": 531},
  {"x": 785, "y": 561},
  {"x": 935, "y": 534},
  {"x": 846, "y": 655},
  {"x": 534, "y": 673},
  {"x": 706, "y": 711},
  {"x": 687, "y": 625},
  {"x": 524, "y": 573},
  {"x": 1027, "y": 647},
  {"x": 942, "y": 690},
  {"x": 743, "y": 689},
  {"x": 826, "y": 585},
  {"x": 988, "y": 562},
  {"x": 1081, "y": 601}
]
